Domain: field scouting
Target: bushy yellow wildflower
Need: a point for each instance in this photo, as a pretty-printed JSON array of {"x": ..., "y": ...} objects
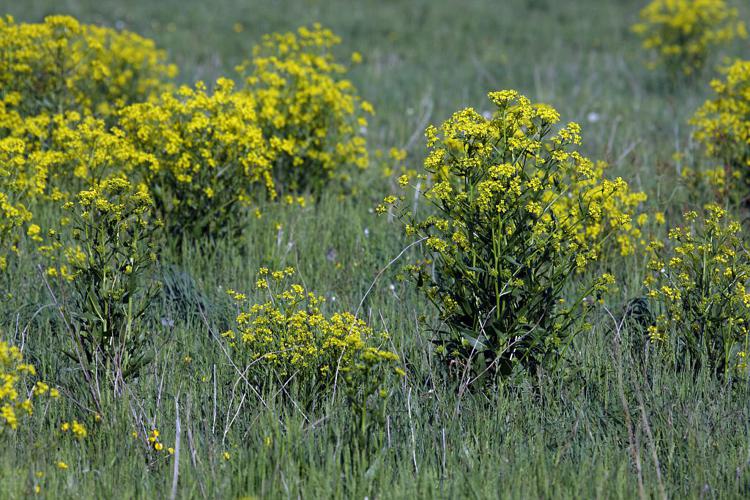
[
  {"x": 52, "y": 157},
  {"x": 722, "y": 124},
  {"x": 106, "y": 257},
  {"x": 62, "y": 84},
  {"x": 203, "y": 156},
  {"x": 700, "y": 287},
  {"x": 313, "y": 116},
  {"x": 681, "y": 33},
  {"x": 518, "y": 212},
  {"x": 62, "y": 65}
]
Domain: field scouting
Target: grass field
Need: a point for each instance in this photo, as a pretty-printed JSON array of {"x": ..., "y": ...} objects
[{"x": 607, "y": 426}]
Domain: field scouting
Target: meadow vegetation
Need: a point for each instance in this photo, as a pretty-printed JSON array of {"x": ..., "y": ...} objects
[{"x": 374, "y": 250}]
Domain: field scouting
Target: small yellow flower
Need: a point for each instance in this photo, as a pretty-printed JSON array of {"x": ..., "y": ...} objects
[{"x": 79, "y": 430}]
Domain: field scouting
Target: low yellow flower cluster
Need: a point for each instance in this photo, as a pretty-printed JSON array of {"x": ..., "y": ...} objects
[
  {"x": 288, "y": 335},
  {"x": 699, "y": 282},
  {"x": 722, "y": 123},
  {"x": 15, "y": 399},
  {"x": 682, "y": 33}
]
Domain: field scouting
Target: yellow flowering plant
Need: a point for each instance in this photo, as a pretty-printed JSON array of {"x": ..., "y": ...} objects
[
  {"x": 722, "y": 124},
  {"x": 616, "y": 224},
  {"x": 313, "y": 117},
  {"x": 13, "y": 213},
  {"x": 104, "y": 269},
  {"x": 75, "y": 428},
  {"x": 681, "y": 33},
  {"x": 29, "y": 139},
  {"x": 46, "y": 160},
  {"x": 517, "y": 214},
  {"x": 16, "y": 395},
  {"x": 288, "y": 340},
  {"x": 698, "y": 284},
  {"x": 56, "y": 156},
  {"x": 80, "y": 152},
  {"x": 61, "y": 65},
  {"x": 61, "y": 84},
  {"x": 203, "y": 156},
  {"x": 715, "y": 183}
]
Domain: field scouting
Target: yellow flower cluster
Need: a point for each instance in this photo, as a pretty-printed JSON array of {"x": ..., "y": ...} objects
[
  {"x": 289, "y": 335},
  {"x": 202, "y": 154},
  {"x": 51, "y": 157},
  {"x": 533, "y": 173},
  {"x": 13, "y": 213},
  {"x": 611, "y": 206},
  {"x": 681, "y": 33},
  {"x": 314, "y": 118},
  {"x": 15, "y": 400},
  {"x": 114, "y": 199},
  {"x": 722, "y": 123},
  {"x": 61, "y": 65},
  {"x": 518, "y": 212},
  {"x": 77, "y": 429},
  {"x": 700, "y": 285},
  {"x": 155, "y": 443}
]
